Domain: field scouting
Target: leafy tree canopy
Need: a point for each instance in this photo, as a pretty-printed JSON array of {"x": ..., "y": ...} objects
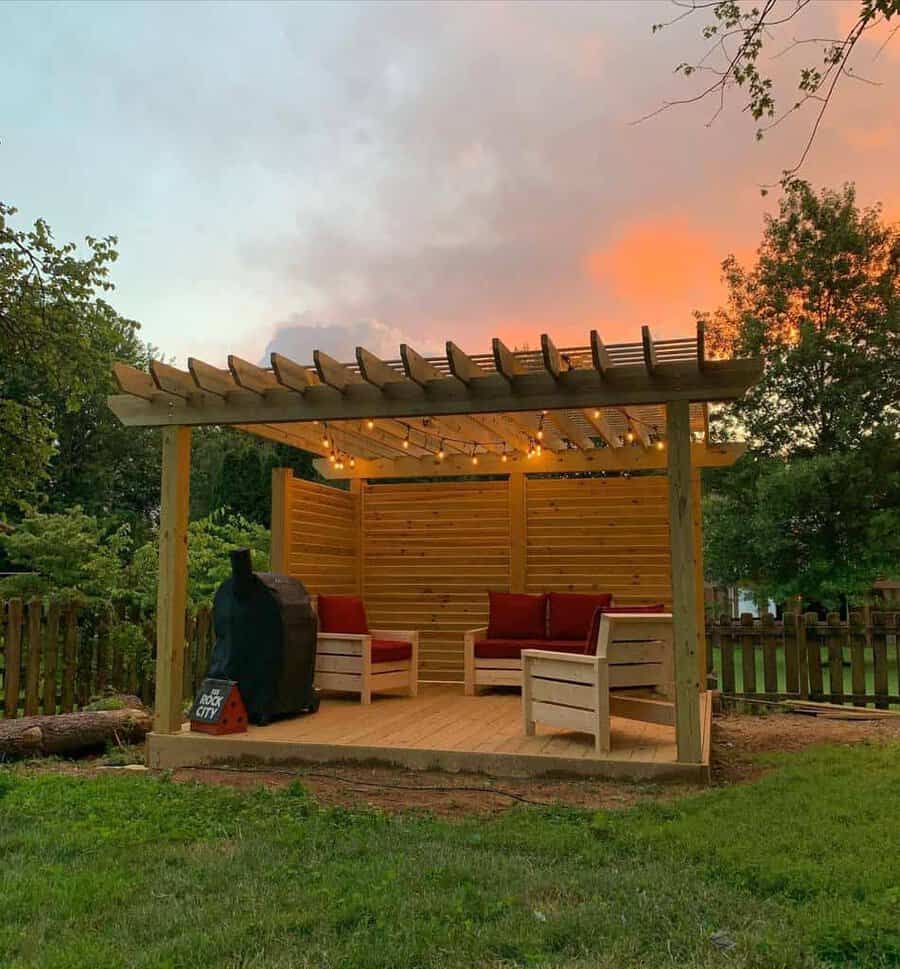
[
  {"x": 814, "y": 507},
  {"x": 58, "y": 339}
]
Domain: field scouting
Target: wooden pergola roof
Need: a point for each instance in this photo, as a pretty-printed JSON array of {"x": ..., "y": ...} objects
[{"x": 559, "y": 408}]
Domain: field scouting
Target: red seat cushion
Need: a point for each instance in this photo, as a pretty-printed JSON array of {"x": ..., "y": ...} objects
[
  {"x": 516, "y": 616},
  {"x": 571, "y": 613},
  {"x": 389, "y": 650},
  {"x": 342, "y": 614},
  {"x": 590, "y": 646},
  {"x": 512, "y": 648}
]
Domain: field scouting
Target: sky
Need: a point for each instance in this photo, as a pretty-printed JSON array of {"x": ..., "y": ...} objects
[{"x": 283, "y": 177}]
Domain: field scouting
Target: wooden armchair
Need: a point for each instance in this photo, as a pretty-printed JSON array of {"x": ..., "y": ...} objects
[
  {"x": 362, "y": 662},
  {"x": 629, "y": 675}
]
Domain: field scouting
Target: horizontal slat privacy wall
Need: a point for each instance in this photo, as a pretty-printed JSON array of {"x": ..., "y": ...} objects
[
  {"x": 599, "y": 535},
  {"x": 430, "y": 552},
  {"x": 322, "y": 530}
]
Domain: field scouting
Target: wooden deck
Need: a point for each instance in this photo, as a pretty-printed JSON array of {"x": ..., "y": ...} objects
[{"x": 441, "y": 729}]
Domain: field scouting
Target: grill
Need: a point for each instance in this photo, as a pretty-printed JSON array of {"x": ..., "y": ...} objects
[{"x": 265, "y": 640}]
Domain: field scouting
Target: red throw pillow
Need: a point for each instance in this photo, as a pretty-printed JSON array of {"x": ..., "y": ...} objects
[
  {"x": 342, "y": 614},
  {"x": 590, "y": 646},
  {"x": 516, "y": 616},
  {"x": 571, "y": 612}
]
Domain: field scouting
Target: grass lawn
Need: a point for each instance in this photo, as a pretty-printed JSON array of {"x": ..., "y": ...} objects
[{"x": 797, "y": 869}]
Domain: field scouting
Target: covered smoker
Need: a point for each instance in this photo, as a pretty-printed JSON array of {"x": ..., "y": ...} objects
[{"x": 265, "y": 640}]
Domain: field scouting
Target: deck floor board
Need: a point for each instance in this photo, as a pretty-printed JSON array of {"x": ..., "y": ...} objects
[{"x": 442, "y": 728}]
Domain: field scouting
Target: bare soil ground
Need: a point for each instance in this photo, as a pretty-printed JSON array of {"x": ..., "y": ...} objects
[{"x": 737, "y": 740}]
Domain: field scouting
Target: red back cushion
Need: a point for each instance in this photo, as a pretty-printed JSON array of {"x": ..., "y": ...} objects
[
  {"x": 516, "y": 616},
  {"x": 342, "y": 614},
  {"x": 571, "y": 613},
  {"x": 590, "y": 647}
]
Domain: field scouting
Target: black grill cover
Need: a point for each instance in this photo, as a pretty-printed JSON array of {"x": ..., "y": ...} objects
[{"x": 265, "y": 640}]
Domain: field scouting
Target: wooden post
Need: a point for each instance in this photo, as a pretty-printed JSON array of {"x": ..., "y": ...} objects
[
  {"x": 13, "y": 659},
  {"x": 359, "y": 548},
  {"x": 171, "y": 599},
  {"x": 281, "y": 519},
  {"x": 517, "y": 540},
  {"x": 684, "y": 581},
  {"x": 700, "y": 597}
]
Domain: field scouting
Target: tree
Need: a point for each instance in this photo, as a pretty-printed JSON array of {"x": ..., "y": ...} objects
[
  {"x": 58, "y": 340},
  {"x": 231, "y": 472},
  {"x": 739, "y": 33},
  {"x": 814, "y": 507}
]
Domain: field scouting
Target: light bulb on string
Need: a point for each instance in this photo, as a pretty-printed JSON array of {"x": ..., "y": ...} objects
[
  {"x": 629, "y": 436},
  {"x": 370, "y": 424},
  {"x": 406, "y": 440},
  {"x": 325, "y": 441},
  {"x": 660, "y": 445},
  {"x": 441, "y": 453}
]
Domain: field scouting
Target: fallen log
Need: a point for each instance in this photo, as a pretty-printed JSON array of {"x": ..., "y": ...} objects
[{"x": 70, "y": 733}]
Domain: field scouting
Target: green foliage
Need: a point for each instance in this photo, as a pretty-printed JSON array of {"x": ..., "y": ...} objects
[
  {"x": 797, "y": 869},
  {"x": 209, "y": 542},
  {"x": 71, "y": 556},
  {"x": 812, "y": 509},
  {"x": 58, "y": 339},
  {"x": 231, "y": 473}
]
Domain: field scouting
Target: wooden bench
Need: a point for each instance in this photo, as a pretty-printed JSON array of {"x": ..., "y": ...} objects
[{"x": 630, "y": 675}]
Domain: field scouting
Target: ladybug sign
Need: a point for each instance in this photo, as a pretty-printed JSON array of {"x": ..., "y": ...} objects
[{"x": 218, "y": 708}]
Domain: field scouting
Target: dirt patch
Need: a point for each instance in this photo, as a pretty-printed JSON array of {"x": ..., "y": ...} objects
[
  {"x": 446, "y": 795},
  {"x": 738, "y": 739}
]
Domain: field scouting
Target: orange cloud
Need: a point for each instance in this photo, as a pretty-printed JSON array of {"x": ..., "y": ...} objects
[{"x": 664, "y": 268}]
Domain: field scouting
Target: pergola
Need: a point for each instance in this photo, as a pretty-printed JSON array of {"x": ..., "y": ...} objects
[{"x": 629, "y": 409}]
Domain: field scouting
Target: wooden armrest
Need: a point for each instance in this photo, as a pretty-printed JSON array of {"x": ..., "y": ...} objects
[
  {"x": 581, "y": 658},
  {"x": 348, "y": 637},
  {"x": 479, "y": 633},
  {"x": 395, "y": 635}
]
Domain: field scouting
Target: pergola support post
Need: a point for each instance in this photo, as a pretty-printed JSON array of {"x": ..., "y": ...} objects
[
  {"x": 517, "y": 543},
  {"x": 281, "y": 492},
  {"x": 171, "y": 600},
  {"x": 684, "y": 583}
]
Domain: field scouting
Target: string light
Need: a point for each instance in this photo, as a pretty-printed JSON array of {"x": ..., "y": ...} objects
[
  {"x": 441, "y": 453},
  {"x": 629, "y": 436},
  {"x": 406, "y": 439},
  {"x": 540, "y": 430},
  {"x": 325, "y": 441},
  {"x": 596, "y": 415},
  {"x": 370, "y": 424},
  {"x": 474, "y": 459},
  {"x": 352, "y": 462},
  {"x": 660, "y": 445},
  {"x": 503, "y": 456}
]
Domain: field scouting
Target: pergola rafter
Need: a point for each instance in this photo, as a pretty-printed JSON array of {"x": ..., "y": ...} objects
[{"x": 506, "y": 404}]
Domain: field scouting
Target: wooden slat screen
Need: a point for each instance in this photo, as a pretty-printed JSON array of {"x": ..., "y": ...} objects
[
  {"x": 431, "y": 553},
  {"x": 323, "y": 537},
  {"x": 425, "y": 554},
  {"x": 599, "y": 535}
]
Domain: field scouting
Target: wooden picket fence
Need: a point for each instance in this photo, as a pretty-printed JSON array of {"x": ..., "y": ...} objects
[
  {"x": 802, "y": 657},
  {"x": 56, "y": 657}
]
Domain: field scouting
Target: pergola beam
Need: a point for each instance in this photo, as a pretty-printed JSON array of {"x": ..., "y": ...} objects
[
  {"x": 462, "y": 366},
  {"x": 506, "y": 361},
  {"x": 251, "y": 377},
  {"x": 600, "y": 355},
  {"x": 417, "y": 368},
  {"x": 554, "y": 362},
  {"x": 570, "y": 431},
  {"x": 612, "y": 460},
  {"x": 598, "y": 420},
  {"x": 333, "y": 373},
  {"x": 533, "y": 391},
  {"x": 375, "y": 370},
  {"x": 291, "y": 374},
  {"x": 651, "y": 360},
  {"x": 211, "y": 379}
]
